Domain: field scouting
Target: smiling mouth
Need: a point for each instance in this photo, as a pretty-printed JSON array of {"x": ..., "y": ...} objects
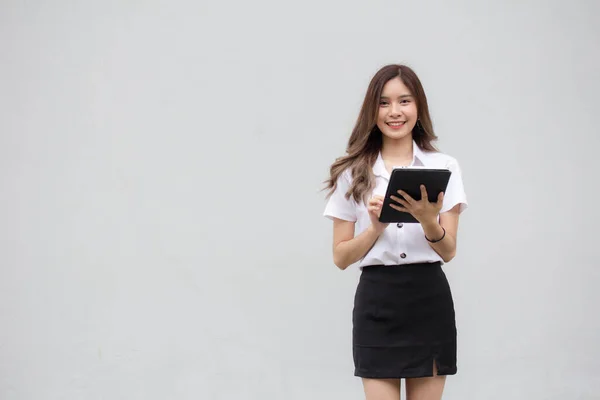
[{"x": 396, "y": 124}]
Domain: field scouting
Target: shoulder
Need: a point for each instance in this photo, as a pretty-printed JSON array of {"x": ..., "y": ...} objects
[
  {"x": 345, "y": 176},
  {"x": 340, "y": 204},
  {"x": 342, "y": 183},
  {"x": 441, "y": 160}
]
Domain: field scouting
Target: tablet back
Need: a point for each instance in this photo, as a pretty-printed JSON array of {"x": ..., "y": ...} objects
[{"x": 409, "y": 180}]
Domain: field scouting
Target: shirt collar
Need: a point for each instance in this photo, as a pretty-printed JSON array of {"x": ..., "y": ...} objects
[{"x": 419, "y": 159}]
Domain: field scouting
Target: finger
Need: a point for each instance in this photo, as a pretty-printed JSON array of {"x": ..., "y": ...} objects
[
  {"x": 424, "y": 195},
  {"x": 399, "y": 208},
  {"x": 375, "y": 208},
  {"x": 376, "y": 200},
  {"x": 399, "y": 200},
  {"x": 440, "y": 199},
  {"x": 408, "y": 199}
]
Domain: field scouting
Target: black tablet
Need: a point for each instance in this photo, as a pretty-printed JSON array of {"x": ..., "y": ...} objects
[{"x": 410, "y": 180}]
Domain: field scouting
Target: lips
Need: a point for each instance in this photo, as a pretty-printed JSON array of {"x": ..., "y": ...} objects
[{"x": 396, "y": 124}]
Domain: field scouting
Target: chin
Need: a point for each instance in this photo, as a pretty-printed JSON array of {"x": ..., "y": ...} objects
[{"x": 396, "y": 135}]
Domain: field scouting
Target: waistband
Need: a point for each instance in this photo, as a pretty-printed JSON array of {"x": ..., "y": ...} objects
[{"x": 383, "y": 268}]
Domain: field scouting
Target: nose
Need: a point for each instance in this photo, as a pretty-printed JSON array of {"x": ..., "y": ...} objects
[{"x": 395, "y": 109}]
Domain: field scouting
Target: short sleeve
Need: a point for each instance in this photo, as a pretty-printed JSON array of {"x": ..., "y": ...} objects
[
  {"x": 338, "y": 206},
  {"x": 455, "y": 192}
]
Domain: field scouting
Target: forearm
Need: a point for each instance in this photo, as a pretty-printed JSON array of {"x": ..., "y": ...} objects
[
  {"x": 350, "y": 251},
  {"x": 446, "y": 248}
]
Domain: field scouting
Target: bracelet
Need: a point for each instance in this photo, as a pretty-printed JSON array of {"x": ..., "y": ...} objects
[{"x": 439, "y": 240}]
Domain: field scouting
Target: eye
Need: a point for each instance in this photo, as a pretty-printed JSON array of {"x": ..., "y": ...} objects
[
  {"x": 404, "y": 101},
  {"x": 383, "y": 103}
]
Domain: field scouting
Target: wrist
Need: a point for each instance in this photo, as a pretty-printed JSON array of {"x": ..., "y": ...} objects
[
  {"x": 438, "y": 239},
  {"x": 433, "y": 230},
  {"x": 372, "y": 229},
  {"x": 430, "y": 225}
]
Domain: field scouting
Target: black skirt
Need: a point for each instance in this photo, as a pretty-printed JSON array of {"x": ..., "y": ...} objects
[{"x": 403, "y": 321}]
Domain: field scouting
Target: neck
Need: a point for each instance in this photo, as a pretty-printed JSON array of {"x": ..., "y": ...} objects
[{"x": 399, "y": 151}]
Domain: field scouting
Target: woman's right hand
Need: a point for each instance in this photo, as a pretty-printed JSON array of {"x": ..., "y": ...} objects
[{"x": 375, "y": 205}]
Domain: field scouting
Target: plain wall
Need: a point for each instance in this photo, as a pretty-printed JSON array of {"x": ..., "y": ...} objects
[{"x": 161, "y": 216}]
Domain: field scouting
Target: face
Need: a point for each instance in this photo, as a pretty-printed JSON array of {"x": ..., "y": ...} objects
[{"x": 397, "y": 113}]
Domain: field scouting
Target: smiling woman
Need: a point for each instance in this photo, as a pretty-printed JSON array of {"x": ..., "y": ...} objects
[
  {"x": 395, "y": 94},
  {"x": 403, "y": 317}
]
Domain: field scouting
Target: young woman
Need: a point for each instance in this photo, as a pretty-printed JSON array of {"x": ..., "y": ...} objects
[{"x": 403, "y": 317}]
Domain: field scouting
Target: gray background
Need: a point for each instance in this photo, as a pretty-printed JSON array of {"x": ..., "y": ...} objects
[{"x": 161, "y": 228}]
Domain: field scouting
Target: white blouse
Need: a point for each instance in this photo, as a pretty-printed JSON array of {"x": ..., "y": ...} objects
[{"x": 399, "y": 243}]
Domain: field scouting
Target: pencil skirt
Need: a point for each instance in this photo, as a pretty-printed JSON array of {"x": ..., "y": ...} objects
[{"x": 403, "y": 322}]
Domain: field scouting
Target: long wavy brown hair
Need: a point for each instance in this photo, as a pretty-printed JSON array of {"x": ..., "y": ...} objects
[{"x": 366, "y": 139}]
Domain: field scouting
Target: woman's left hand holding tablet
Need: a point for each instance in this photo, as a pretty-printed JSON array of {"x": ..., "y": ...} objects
[{"x": 423, "y": 210}]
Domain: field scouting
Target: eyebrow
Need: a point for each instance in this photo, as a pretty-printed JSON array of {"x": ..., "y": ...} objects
[{"x": 400, "y": 97}]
